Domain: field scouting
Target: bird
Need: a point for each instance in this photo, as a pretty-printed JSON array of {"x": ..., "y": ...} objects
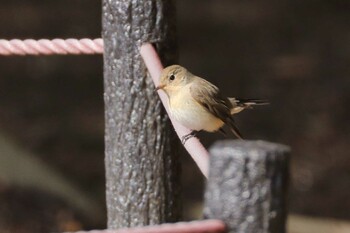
[{"x": 198, "y": 104}]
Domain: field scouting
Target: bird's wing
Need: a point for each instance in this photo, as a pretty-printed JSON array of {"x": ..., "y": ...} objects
[{"x": 209, "y": 96}]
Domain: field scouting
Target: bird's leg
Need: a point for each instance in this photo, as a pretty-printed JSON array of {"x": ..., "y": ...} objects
[{"x": 188, "y": 136}]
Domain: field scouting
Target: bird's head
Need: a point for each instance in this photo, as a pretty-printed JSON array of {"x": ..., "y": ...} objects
[{"x": 173, "y": 78}]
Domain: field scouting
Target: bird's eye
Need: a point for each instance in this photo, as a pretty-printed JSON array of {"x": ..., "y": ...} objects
[{"x": 172, "y": 77}]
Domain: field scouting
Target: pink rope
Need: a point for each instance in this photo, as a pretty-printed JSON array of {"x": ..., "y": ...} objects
[
  {"x": 50, "y": 47},
  {"x": 203, "y": 226},
  {"x": 197, "y": 151},
  {"x": 87, "y": 46}
]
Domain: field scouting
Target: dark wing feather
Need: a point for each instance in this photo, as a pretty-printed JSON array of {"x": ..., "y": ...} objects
[
  {"x": 209, "y": 96},
  {"x": 247, "y": 102}
]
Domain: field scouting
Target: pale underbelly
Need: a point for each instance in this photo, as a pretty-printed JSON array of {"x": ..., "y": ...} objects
[{"x": 195, "y": 117}]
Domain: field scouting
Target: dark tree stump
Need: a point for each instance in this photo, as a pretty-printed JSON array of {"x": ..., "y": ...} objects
[
  {"x": 142, "y": 179},
  {"x": 247, "y": 186}
]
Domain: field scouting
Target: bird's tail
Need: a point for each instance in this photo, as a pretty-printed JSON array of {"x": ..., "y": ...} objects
[
  {"x": 241, "y": 104},
  {"x": 233, "y": 128}
]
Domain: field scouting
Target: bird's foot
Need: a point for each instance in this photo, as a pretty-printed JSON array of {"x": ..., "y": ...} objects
[{"x": 188, "y": 136}]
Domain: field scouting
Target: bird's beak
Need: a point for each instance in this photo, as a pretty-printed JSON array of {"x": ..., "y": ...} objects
[{"x": 160, "y": 87}]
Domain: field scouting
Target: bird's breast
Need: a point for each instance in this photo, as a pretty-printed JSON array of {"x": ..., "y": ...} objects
[{"x": 191, "y": 114}]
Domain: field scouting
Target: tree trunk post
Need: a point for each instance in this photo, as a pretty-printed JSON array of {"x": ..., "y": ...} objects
[
  {"x": 142, "y": 179},
  {"x": 247, "y": 186}
]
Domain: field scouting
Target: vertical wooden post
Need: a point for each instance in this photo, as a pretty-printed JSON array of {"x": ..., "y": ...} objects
[
  {"x": 142, "y": 180},
  {"x": 247, "y": 186}
]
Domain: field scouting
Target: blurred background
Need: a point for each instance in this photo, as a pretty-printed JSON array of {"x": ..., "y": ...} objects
[{"x": 294, "y": 53}]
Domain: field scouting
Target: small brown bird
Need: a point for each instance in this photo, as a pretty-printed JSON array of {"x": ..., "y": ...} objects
[{"x": 198, "y": 104}]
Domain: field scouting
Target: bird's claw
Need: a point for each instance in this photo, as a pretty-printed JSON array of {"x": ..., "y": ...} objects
[{"x": 188, "y": 136}]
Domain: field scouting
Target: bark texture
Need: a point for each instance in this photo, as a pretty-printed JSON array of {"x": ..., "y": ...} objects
[
  {"x": 247, "y": 186},
  {"x": 142, "y": 180}
]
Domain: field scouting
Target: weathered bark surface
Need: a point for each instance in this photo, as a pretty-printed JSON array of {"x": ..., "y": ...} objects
[
  {"x": 247, "y": 186},
  {"x": 142, "y": 184}
]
